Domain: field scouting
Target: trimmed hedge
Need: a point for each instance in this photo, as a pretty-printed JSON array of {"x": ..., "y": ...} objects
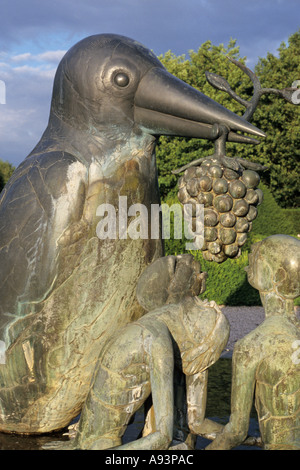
[
  {"x": 294, "y": 216},
  {"x": 227, "y": 282},
  {"x": 271, "y": 219}
]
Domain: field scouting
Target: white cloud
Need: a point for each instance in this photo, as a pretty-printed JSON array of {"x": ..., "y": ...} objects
[
  {"x": 51, "y": 56},
  {"x": 39, "y": 72},
  {"x": 48, "y": 56},
  {"x": 20, "y": 129},
  {"x": 24, "y": 117},
  {"x": 21, "y": 57}
]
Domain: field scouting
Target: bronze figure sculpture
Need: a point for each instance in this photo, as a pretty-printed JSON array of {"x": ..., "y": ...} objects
[
  {"x": 182, "y": 331},
  {"x": 264, "y": 361},
  {"x": 63, "y": 291}
]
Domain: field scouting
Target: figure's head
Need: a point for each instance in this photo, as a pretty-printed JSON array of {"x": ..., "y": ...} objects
[
  {"x": 169, "y": 280},
  {"x": 274, "y": 266}
]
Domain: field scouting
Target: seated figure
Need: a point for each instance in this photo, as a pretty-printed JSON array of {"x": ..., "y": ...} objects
[
  {"x": 139, "y": 360},
  {"x": 266, "y": 362}
]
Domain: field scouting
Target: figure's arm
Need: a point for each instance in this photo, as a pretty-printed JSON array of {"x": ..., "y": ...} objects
[
  {"x": 161, "y": 379},
  {"x": 242, "y": 390},
  {"x": 196, "y": 400}
]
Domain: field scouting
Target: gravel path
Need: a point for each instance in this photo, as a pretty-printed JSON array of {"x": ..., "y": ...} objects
[{"x": 243, "y": 320}]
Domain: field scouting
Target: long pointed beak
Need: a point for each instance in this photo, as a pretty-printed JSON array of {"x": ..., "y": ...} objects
[{"x": 165, "y": 105}]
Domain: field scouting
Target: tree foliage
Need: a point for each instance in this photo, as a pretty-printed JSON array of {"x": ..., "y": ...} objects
[
  {"x": 6, "y": 170},
  {"x": 279, "y": 119}
]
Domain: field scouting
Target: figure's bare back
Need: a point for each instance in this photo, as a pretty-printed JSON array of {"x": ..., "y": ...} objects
[{"x": 277, "y": 394}]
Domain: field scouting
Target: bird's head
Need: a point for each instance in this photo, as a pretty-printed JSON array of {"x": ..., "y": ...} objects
[{"x": 113, "y": 83}]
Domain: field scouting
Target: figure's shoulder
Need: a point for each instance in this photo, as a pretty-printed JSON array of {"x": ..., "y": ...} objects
[
  {"x": 204, "y": 319},
  {"x": 265, "y": 339},
  {"x": 208, "y": 311},
  {"x": 155, "y": 322},
  {"x": 204, "y": 305}
]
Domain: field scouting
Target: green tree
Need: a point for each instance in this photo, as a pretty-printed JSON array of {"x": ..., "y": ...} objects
[
  {"x": 279, "y": 119},
  {"x": 6, "y": 170},
  {"x": 175, "y": 152}
]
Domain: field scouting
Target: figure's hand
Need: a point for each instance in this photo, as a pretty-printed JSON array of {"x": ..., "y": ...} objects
[
  {"x": 229, "y": 438},
  {"x": 208, "y": 429},
  {"x": 60, "y": 445},
  {"x": 223, "y": 442},
  {"x": 218, "y": 443},
  {"x": 176, "y": 445}
]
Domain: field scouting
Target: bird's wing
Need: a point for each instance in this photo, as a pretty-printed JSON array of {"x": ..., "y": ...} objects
[{"x": 35, "y": 209}]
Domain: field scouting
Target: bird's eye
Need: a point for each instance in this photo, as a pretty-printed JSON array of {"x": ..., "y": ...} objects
[{"x": 121, "y": 79}]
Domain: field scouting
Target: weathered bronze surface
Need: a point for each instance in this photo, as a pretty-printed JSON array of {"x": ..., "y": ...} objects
[
  {"x": 182, "y": 331},
  {"x": 265, "y": 362},
  {"x": 63, "y": 291}
]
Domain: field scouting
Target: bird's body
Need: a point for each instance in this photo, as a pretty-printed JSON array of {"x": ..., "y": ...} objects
[
  {"x": 78, "y": 289},
  {"x": 63, "y": 290}
]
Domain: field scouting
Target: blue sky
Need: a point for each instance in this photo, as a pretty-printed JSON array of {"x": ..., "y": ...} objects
[{"x": 34, "y": 35}]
